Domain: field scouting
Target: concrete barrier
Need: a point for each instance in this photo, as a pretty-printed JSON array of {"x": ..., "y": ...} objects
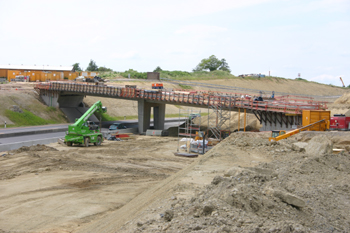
[
  {"x": 16, "y": 145},
  {"x": 24, "y": 133}
]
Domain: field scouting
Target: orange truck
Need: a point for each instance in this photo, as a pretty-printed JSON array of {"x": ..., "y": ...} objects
[{"x": 157, "y": 85}]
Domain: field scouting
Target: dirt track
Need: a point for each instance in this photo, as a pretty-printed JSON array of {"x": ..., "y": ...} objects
[{"x": 48, "y": 190}]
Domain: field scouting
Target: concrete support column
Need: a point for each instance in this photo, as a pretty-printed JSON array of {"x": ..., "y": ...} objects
[
  {"x": 159, "y": 116},
  {"x": 144, "y": 115}
]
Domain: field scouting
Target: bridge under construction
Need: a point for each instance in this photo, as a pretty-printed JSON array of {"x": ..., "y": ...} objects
[{"x": 280, "y": 112}]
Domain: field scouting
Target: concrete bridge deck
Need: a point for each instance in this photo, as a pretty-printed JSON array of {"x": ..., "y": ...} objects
[{"x": 283, "y": 111}]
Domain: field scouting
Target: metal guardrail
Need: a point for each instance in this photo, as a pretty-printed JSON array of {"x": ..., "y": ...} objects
[{"x": 234, "y": 100}]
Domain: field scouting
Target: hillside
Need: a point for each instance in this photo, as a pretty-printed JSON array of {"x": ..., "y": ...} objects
[
  {"x": 23, "y": 96},
  {"x": 21, "y": 106}
]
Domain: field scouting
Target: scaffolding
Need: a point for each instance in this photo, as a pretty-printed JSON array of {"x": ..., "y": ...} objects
[
  {"x": 189, "y": 131},
  {"x": 219, "y": 121}
]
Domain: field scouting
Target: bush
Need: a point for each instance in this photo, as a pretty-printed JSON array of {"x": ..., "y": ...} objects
[{"x": 134, "y": 74}]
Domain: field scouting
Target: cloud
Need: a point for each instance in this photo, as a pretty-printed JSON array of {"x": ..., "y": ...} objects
[
  {"x": 327, "y": 78},
  {"x": 329, "y": 5},
  {"x": 181, "y": 9},
  {"x": 200, "y": 29},
  {"x": 126, "y": 55},
  {"x": 96, "y": 39}
]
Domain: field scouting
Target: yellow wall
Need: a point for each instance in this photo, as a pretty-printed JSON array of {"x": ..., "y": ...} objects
[
  {"x": 11, "y": 74},
  {"x": 312, "y": 116},
  {"x": 3, "y": 73},
  {"x": 39, "y": 75}
]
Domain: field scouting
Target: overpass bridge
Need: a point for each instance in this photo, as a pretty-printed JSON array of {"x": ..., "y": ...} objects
[{"x": 279, "y": 113}]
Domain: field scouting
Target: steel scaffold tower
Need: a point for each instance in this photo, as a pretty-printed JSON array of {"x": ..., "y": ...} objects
[
  {"x": 219, "y": 121},
  {"x": 188, "y": 129}
]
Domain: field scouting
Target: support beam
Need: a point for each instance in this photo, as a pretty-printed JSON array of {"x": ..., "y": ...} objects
[
  {"x": 245, "y": 118},
  {"x": 239, "y": 119},
  {"x": 159, "y": 116},
  {"x": 144, "y": 115}
]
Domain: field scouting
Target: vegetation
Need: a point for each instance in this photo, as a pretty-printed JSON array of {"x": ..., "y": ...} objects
[
  {"x": 301, "y": 79},
  {"x": 108, "y": 74},
  {"x": 158, "y": 69},
  {"x": 76, "y": 67},
  {"x": 212, "y": 63},
  {"x": 134, "y": 74},
  {"x": 92, "y": 66},
  {"x": 185, "y": 86},
  {"x": 176, "y": 74},
  {"x": 104, "y": 69},
  {"x": 26, "y": 118}
]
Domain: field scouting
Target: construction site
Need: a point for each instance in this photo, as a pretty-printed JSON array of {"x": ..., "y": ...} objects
[{"x": 244, "y": 156}]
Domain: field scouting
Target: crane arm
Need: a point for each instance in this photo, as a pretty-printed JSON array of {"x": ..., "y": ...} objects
[
  {"x": 96, "y": 107},
  {"x": 342, "y": 81},
  {"x": 290, "y": 133}
]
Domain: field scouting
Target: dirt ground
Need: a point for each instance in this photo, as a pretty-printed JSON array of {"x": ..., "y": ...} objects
[
  {"x": 54, "y": 188},
  {"x": 244, "y": 184}
]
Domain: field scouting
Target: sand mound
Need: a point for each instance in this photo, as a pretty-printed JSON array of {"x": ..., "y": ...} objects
[
  {"x": 344, "y": 99},
  {"x": 37, "y": 147}
]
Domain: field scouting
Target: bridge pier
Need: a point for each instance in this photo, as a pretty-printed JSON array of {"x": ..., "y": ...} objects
[{"x": 144, "y": 115}]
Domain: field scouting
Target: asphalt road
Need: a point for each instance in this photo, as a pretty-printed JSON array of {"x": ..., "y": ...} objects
[
  {"x": 17, "y": 139},
  {"x": 23, "y": 134}
]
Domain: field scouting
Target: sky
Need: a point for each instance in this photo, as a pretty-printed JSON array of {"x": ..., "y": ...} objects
[{"x": 283, "y": 37}]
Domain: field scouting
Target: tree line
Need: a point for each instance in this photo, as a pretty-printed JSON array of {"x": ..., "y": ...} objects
[
  {"x": 91, "y": 67},
  {"x": 207, "y": 64}
]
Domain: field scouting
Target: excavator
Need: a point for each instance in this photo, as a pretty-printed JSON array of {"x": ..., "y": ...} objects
[
  {"x": 84, "y": 132},
  {"x": 277, "y": 135}
]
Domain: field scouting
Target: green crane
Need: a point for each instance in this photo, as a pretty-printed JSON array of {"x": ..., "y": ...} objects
[{"x": 84, "y": 131}]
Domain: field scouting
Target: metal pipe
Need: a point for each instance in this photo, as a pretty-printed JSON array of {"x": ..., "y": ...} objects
[{"x": 245, "y": 116}]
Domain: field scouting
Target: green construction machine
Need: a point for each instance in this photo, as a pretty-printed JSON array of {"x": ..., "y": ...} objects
[{"x": 84, "y": 132}]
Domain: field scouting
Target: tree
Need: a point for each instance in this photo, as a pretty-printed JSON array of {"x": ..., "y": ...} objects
[
  {"x": 224, "y": 66},
  {"x": 104, "y": 69},
  {"x": 158, "y": 69},
  {"x": 76, "y": 67},
  {"x": 92, "y": 66},
  {"x": 212, "y": 63}
]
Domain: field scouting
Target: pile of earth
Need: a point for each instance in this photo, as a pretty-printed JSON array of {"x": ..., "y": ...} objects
[
  {"x": 341, "y": 105},
  {"x": 344, "y": 99},
  {"x": 304, "y": 189},
  {"x": 37, "y": 147}
]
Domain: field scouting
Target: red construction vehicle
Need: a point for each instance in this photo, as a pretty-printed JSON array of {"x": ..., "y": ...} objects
[
  {"x": 339, "y": 122},
  {"x": 157, "y": 85}
]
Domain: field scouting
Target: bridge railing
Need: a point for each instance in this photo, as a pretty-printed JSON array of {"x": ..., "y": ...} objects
[{"x": 294, "y": 106}]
